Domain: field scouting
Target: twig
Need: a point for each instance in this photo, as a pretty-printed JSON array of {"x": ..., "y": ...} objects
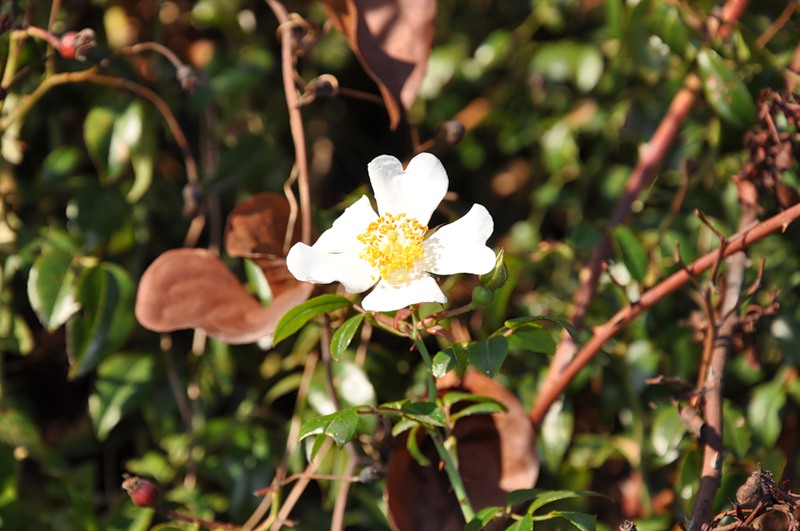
[
  {"x": 777, "y": 24},
  {"x": 603, "y": 333},
  {"x": 639, "y": 178},
  {"x": 295, "y": 118}
]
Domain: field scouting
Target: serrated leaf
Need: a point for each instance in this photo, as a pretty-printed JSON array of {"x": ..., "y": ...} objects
[
  {"x": 523, "y": 524},
  {"x": 51, "y": 287},
  {"x": 487, "y": 356},
  {"x": 298, "y": 316},
  {"x": 581, "y": 521},
  {"x": 341, "y": 426},
  {"x": 633, "y": 254},
  {"x": 426, "y": 413},
  {"x": 725, "y": 91},
  {"x": 106, "y": 296},
  {"x": 122, "y": 380},
  {"x": 344, "y": 335}
]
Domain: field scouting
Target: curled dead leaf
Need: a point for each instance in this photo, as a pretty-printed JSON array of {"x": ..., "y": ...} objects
[
  {"x": 192, "y": 288},
  {"x": 392, "y": 39},
  {"x": 496, "y": 455},
  {"x": 256, "y": 229}
]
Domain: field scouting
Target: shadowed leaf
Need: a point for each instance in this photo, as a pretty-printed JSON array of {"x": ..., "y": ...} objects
[{"x": 392, "y": 39}]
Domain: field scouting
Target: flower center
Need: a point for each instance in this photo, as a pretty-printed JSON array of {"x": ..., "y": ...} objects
[{"x": 391, "y": 244}]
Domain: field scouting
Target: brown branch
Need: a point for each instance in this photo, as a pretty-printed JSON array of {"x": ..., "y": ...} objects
[
  {"x": 603, "y": 333},
  {"x": 711, "y": 472},
  {"x": 295, "y": 118},
  {"x": 639, "y": 178}
]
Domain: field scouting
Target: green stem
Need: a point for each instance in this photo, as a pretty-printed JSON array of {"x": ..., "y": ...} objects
[
  {"x": 449, "y": 460},
  {"x": 426, "y": 358},
  {"x": 453, "y": 475}
]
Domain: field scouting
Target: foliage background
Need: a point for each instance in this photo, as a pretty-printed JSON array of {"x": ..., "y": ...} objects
[{"x": 563, "y": 95}]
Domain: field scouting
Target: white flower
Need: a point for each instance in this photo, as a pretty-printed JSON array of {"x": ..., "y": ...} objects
[{"x": 393, "y": 248}]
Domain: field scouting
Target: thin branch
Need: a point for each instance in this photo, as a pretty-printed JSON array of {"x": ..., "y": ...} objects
[
  {"x": 603, "y": 333},
  {"x": 295, "y": 118},
  {"x": 650, "y": 158}
]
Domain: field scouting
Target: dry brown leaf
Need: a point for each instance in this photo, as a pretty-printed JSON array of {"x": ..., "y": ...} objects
[
  {"x": 392, "y": 39},
  {"x": 496, "y": 455},
  {"x": 256, "y": 229},
  {"x": 192, "y": 288}
]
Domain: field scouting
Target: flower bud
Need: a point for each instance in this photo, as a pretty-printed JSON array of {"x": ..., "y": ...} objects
[
  {"x": 143, "y": 493},
  {"x": 495, "y": 278},
  {"x": 482, "y": 296}
]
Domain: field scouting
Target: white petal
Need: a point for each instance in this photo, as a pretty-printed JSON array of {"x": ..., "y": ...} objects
[
  {"x": 416, "y": 192},
  {"x": 342, "y": 236},
  {"x": 460, "y": 247},
  {"x": 385, "y": 298},
  {"x": 320, "y": 267}
]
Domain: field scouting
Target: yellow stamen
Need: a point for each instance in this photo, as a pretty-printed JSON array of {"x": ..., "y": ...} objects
[{"x": 392, "y": 244}]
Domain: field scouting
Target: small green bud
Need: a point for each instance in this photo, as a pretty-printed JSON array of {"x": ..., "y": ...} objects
[
  {"x": 482, "y": 296},
  {"x": 495, "y": 278}
]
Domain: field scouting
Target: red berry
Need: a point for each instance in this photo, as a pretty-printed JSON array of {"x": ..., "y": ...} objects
[{"x": 143, "y": 493}]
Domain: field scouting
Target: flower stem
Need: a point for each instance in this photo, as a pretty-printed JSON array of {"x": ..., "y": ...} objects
[
  {"x": 426, "y": 358},
  {"x": 451, "y": 468}
]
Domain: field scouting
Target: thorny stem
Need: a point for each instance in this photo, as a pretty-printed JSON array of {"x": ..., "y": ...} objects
[
  {"x": 649, "y": 160},
  {"x": 603, "y": 333}
]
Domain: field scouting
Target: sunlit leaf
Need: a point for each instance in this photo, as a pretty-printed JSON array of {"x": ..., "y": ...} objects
[
  {"x": 297, "y": 317},
  {"x": 51, "y": 287},
  {"x": 344, "y": 335},
  {"x": 341, "y": 426},
  {"x": 724, "y": 90},
  {"x": 633, "y": 254}
]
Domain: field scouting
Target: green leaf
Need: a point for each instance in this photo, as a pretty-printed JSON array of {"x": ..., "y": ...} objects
[
  {"x": 736, "y": 433},
  {"x": 724, "y": 90},
  {"x": 483, "y": 517},
  {"x": 106, "y": 296},
  {"x": 412, "y": 444},
  {"x": 51, "y": 287},
  {"x": 517, "y": 322},
  {"x": 300, "y": 315},
  {"x": 143, "y": 153},
  {"x": 581, "y": 521},
  {"x": 426, "y": 413},
  {"x": 341, "y": 426},
  {"x": 443, "y": 362},
  {"x": 523, "y": 524},
  {"x": 633, "y": 254},
  {"x": 533, "y": 338},
  {"x": 97, "y": 137},
  {"x": 764, "y": 411},
  {"x": 481, "y": 408},
  {"x": 344, "y": 335},
  {"x": 667, "y": 433},
  {"x": 540, "y": 498},
  {"x": 122, "y": 380},
  {"x": 126, "y": 133},
  {"x": 488, "y": 355}
]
